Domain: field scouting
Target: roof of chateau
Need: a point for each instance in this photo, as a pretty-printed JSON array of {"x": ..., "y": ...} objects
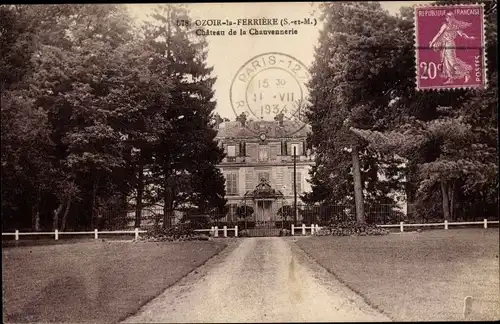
[{"x": 272, "y": 129}]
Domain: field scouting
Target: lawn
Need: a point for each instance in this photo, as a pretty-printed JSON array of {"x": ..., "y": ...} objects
[
  {"x": 417, "y": 276},
  {"x": 95, "y": 281}
]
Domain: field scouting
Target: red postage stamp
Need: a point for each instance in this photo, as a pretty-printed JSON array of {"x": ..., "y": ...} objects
[{"x": 450, "y": 47}]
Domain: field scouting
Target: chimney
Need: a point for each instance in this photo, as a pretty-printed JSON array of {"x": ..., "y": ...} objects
[
  {"x": 279, "y": 117},
  {"x": 242, "y": 118}
]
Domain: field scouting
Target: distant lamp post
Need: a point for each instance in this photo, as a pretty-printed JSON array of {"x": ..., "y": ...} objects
[{"x": 295, "y": 184}]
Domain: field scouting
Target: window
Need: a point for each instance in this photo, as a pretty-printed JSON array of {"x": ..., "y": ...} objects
[
  {"x": 263, "y": 153},
  {"x": 232, "y": 184},
  {"x": 263, "y": 175},
  {"x": 231, "y": 151}
]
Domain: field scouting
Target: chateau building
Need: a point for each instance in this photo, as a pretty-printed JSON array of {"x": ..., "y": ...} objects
[{"x": 258, "y": 166}]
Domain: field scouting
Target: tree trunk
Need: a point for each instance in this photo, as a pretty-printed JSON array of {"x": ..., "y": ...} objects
[
  {"x": 140, "y": 190},
  {"x": 35, "y": 218},
  {"x": 55, "y": 220},
  {"x": 452, "y": 201},
  {"x": 35, "y": 214},
  {"x": 65, "y": 216},
  {"x": 446, "y": 201},
  {"x": 167, "y": 205},
  {"x": 94, "y": 196},
  {"x": 358, "y": 188}
]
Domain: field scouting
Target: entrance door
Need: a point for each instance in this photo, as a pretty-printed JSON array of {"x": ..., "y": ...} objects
[{"x": 264, "y": 211}]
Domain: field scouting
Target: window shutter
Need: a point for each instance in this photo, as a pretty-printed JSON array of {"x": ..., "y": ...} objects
[
  {"x": 249, "y": 180},
  {"x": 299, "y": 182},
  {"x": 289, "y": 149},
  {"x": 279, "y": 179},
  {"x": 275, "y": 150},
  {"x": 252, "y": 151},
  {"x": 236, "y": 150},
  {"x": 283, "y": 148}
]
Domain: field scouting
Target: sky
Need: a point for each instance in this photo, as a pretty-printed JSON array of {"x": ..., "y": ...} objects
[{"x": 227, "y": 54}]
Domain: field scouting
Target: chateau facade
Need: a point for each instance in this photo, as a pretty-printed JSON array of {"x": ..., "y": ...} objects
[{"x": 258, "y": 166}]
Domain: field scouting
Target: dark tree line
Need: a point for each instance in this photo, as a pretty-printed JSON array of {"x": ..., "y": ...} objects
[{"x": 101, "y": 117}]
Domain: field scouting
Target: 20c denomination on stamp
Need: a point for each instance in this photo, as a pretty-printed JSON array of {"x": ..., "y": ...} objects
[
  {"x": 270, "y": 86},
  {"x": 450, "y": 47}
]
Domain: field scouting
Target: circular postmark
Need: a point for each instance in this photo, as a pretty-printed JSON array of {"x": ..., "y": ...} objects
[{"x": 271, "y": 86}]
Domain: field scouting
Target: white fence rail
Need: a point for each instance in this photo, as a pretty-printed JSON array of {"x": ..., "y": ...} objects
[
  {"x": 304, "y": 228},
  {"x": 214, "y": 230},
  {"x": 56, "y": 233},
  {"x": 446, "y": 224}
]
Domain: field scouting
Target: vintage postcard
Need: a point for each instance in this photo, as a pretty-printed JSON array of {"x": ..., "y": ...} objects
[{"x": 249, "y": 162}]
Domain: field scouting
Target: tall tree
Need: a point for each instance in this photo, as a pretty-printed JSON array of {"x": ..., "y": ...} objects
[
  {"x": 347, "y": 92},
  {"x": 192, "y": 136}
]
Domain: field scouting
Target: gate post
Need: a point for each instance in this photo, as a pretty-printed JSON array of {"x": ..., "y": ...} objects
[{"x": 293, "y": 229}]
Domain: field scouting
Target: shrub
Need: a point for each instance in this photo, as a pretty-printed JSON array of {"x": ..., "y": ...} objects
[
  {"x": 176, "y": 233},
  {"x": 351, "y": 228},
  {"x": 285, "y": 232},
  {"x": 243, "y": 233}
]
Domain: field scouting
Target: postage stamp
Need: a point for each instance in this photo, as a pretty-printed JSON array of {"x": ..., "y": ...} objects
[
  {"x": 450, "y": 43},
  {"x": 271, "y": 86}
]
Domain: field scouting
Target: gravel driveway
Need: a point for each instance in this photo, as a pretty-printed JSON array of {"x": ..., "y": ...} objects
[{"x": 260, "y": 280}]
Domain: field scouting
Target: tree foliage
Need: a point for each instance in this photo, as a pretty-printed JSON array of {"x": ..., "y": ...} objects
[
  {"x": 87, "y": 107},
  {"x": 443, "y": 143}
]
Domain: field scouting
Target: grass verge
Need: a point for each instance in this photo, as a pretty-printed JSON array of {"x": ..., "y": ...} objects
[
  {"x": 93, "y": 282},
  {"x": 417, "y": 276}
]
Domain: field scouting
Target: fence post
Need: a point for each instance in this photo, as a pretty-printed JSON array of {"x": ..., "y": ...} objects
[
  {"x": 17, "y": 235},
  {"x": 235, "y": 230},
  {"x": 445, "y": 224},
  {"x": 317, "y": 228},
  {"x": 401, "y": 226},
  {"x": 225, "y": 231},
  {"x": 212, "y": 231},
  {"x": 56, "y": 232},
  {"x": 96, "y": 236},
  {"x": 136, "y": 233},
  {"x": 312, "y": 229},
  {"x": 303, "y": 229},
  {"x": 216, "y": 229},
  {"x": 293, "y": 229},
  {"x": 485, "y": 223}
]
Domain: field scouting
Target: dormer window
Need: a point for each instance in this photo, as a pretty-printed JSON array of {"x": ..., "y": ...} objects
[
  {"x": 296, "y": 148},
  {"x": 231, "y": 150}
]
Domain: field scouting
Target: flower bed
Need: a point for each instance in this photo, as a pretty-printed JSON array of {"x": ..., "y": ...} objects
[
  {"x": 350, "y": 228},
  {"x": 176, "y": 233}
]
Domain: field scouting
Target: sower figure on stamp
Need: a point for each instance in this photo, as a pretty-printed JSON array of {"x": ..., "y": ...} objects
[{"x": 453, "y": 67}]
